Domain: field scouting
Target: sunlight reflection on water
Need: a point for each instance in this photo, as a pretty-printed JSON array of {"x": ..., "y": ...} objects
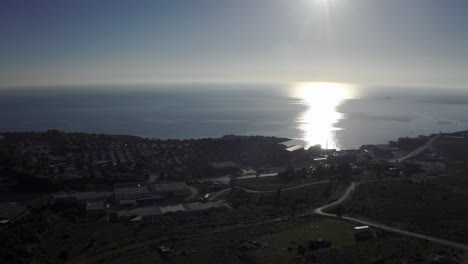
[{"x": 317, "y": 122}]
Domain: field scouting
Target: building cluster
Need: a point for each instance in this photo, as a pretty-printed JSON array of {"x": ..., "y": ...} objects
[
  {"x": 73, "y": 158},
  {"x": 151, "y": 213},
  {"x": 110, "y": 160},
  {"x": 90, "y": 204},
  {"x": 145, "y": 192},
  {"x": 105, "y": 161},
  {"x": 345, "y": 156},
  {"x": 379, "y": 151},
  {"x": 134, "y": 202}
]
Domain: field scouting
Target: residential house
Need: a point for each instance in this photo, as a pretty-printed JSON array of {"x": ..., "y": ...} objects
[
  {"x": 178, "y": 190},
  {"x": 130, "y": 193}
]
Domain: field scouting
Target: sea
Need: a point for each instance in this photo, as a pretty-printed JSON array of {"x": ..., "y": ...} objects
[{"x": 334, "y": 115}]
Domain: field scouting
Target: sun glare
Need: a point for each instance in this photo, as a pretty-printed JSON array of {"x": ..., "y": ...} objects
[{"x": 317, "y": 123}]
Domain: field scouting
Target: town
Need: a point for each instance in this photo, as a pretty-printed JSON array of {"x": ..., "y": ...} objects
[{"x": 181, "y": 188}]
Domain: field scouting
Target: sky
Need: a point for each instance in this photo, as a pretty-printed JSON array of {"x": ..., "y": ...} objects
[{"x": 57, "y": 42}]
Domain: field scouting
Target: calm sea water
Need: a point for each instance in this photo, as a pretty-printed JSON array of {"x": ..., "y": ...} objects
[{"x": 338, "y": 115}]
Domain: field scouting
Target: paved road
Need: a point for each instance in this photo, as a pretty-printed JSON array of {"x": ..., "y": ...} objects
[
  {"x": 93, "y": 258},
  {"x": 337, "y": 202},
  {"x": 193, "y": 196},
  {"x": 215, "y": 195},
  {"x": 227, "y": 179},
  {"x": 271, "y": 174},
  {"x": 417, "y": 151},
  {"x": 346, "y": 195},
  {"x": 288, "y": 189}
]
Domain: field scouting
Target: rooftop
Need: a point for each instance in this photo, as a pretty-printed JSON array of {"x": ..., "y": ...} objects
[
  {"x": 170, "y": 187},
  {"x": 90, "y": 195},
  {"x": 82, "y": 196},
  {"x": 294, "y": 148},
  {"x": 360, "y": 227},
  {"x": 95, "y": 205},
  {"x": 292, "y": 142},
  {"x": 135, "y": 189}
]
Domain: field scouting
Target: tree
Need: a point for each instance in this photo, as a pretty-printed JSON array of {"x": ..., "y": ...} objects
[
  {"x": 378, "y": 168},
  {"x": 302, "y": 173},
  {"x": 345, "y": 170},
  {"x": 63, "y": 254},
  {"x": 287, "y": 175},
  {"x": 319, "y": 171},
  {"x": 314, "y": 150}
]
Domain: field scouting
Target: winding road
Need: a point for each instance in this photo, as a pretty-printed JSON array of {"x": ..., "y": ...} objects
[
  {"x": 320, "y": 211},
  {"x": 227, "y": 178},
  {"x": 348, "y": 193},
  {"x": 215, "y": 195},
  {"x": 288, "y": 189}
]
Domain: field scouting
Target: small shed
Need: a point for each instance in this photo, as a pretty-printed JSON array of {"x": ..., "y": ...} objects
[{"x": 362, "y": 233}]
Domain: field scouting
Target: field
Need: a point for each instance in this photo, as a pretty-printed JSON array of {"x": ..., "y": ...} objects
[
  {"x": 452, "y": 148},
  {"x": 215, "y": 237},
  {"x": 435, "y": 205},
  {"x": 270, "y": 183},
  {"x": 300, "y": 198},
  {"x": 76, "y": 240},
  {"x": 223, "y": 247}
]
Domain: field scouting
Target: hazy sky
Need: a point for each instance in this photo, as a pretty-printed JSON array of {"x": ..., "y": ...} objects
[{"x": 365, "y": 41}]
